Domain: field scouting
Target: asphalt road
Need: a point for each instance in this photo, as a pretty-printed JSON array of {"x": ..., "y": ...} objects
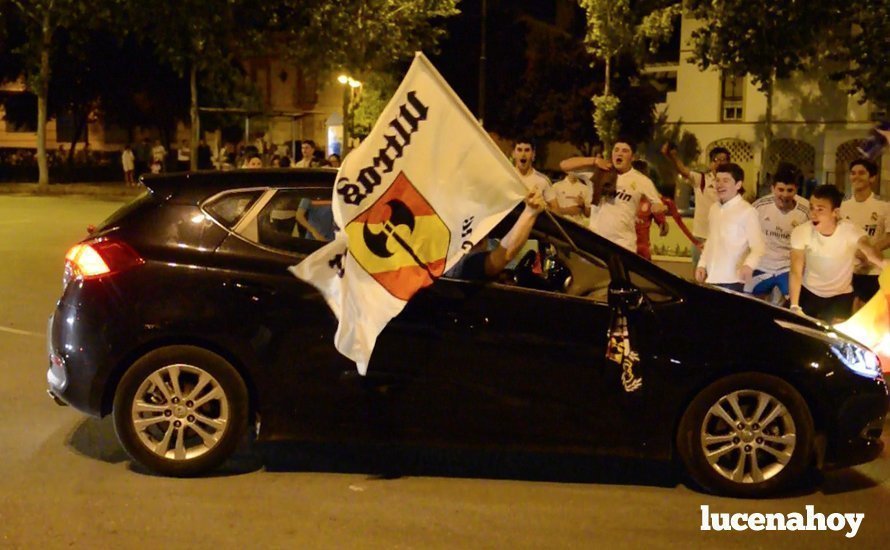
[{"x": 66, "y": 483}]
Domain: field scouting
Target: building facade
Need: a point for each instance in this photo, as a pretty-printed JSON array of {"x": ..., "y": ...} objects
[{"x": 816, "y": 125}]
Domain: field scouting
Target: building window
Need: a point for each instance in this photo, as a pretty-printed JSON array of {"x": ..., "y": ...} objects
[{"x": 732, "y": 98}]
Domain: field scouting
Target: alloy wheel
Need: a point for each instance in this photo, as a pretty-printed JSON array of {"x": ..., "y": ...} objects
[
  {"x": 748, "y": 436},
  {"x": 180, "y": 412}
]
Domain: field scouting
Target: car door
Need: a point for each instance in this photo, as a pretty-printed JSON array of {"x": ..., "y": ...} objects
[
  {"x": 511, "y": 366},
  {"x": 305, "y": 388}
]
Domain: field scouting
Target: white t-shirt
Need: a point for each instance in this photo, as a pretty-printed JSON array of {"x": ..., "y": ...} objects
[
  {"x": 567, "y": 193},
  {"x": 734, "y": 240},
  {"x": 777, "y": 227},
  {"x": 870, "y": 215},
  {"x": 183, "y": 154},
  {"x": 703, "y": 201},
  {"x": 128, "y": 160},
  {"x": 536, "y": 180},
  {"x": 615, "y": 218},
  {"x": 828, "y": 270}
]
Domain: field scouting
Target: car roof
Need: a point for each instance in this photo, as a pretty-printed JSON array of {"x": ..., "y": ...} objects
[{"x": 193, "y": 186}]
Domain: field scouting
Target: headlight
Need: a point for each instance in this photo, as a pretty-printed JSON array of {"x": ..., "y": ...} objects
[{"x": 855, "y": 357}]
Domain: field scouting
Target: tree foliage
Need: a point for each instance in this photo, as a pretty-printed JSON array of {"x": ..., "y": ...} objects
[
  {"x": 360, "y": 36},
  {"x": 765, "y": 39},
  {"x": 863, "y": 51},
  {"x": 618, "y": 28}
]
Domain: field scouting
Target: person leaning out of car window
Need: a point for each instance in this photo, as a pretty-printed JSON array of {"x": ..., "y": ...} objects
[
  {"x": 823, "y": 254},
  {"x": 481, "y": 265}
]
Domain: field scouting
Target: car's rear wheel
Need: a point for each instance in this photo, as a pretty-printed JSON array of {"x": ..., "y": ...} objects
[
  {"x": 180, "y": 410},
  {"x": 747, "y": 435}
]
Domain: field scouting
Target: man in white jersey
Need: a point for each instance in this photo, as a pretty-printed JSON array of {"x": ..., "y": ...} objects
[
  {"x": 572, "y": 198},
  {"x": 704, "y": 187},
  {"x": 735, "y": 245},
  {"x": 823, "y": 252},
  {"x": 870, "y": 214},
  {"x": 779, "y": 213},
  {"x": 523, "y": 161},
  {"x": 614, "y": 216}
]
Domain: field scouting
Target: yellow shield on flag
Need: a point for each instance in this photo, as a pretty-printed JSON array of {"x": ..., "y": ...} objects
[{"x": 400, "y": 240}]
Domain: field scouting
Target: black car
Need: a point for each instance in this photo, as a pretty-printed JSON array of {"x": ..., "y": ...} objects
[{"x": 180, "y": 319}]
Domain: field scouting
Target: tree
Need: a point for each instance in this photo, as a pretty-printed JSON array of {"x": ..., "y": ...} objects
[
  {"x": 863, "y": 51},
  {"x": 755, "y": 37},
  {"x": 360, "y": 37},
  {"x": 200, "y": 39},
  {"x": 623, "y": 27},
  {"x": 41, "y": 21}
]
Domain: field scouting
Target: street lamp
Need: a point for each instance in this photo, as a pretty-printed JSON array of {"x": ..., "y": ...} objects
[{"x": 350, "y": 89}]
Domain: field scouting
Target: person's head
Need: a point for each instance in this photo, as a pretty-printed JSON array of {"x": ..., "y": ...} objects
[
  {"x": 184, "y": 142},
  {"x": 523, "y": 154},
  {"x": 253, "y": 160},
  {"x": 730, "y": 178},
  {"x": 785, "y": 185},
  {"x": 307, "y": 148},
  {"x": 334, "y": 160},
  {"x": 862, "y": 174},
  {"x": 623, "y": 154},
  {"x": 718, "y": 156},
  {"x": 825, "y": 203},
  {"x": 284, "y": 162}
]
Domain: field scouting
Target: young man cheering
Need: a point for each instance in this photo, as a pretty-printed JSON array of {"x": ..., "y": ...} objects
[
  {"x": 614, "y": 216},
  {"x": 870, "y": 214},
  {"x": 735, "y": 245},
  {"x": 823, "y": 252},
  {"x": 779, "y": 213}
]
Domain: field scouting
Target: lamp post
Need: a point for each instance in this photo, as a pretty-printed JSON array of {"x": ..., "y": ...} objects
[{"x": 350, "y": 87}]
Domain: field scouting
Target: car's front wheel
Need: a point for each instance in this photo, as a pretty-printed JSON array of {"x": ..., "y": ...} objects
[
  {"x": 180, "y": 410},
  {"x": 746, "y": 435}
]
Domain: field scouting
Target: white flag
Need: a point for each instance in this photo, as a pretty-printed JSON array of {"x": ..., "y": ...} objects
[{"x": 425, "y": 186}]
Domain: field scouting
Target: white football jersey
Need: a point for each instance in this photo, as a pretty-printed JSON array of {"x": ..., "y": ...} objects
[{"x": 777, "y": 227}]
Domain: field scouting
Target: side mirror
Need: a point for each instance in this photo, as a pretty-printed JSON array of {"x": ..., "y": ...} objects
[{"x": 625, "y": 297}]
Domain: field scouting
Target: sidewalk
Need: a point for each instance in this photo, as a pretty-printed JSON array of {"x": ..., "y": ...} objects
[{"x": 111, "y": 190}]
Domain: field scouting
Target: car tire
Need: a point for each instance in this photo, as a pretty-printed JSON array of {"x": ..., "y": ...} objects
[
  {"x": 767, "y": 447},
  {"x": 180, "y": 410}
]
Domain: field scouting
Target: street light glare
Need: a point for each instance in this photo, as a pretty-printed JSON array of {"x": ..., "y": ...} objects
[
  {"x": 354, "y": 83},
  {"x": 343, "y": 79}
]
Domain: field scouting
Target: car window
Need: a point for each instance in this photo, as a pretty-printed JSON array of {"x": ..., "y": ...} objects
[
  {"x": 292, "y": 217},
  {"x": 228, "y": 209},
  {"x": 655, "y": 292}
]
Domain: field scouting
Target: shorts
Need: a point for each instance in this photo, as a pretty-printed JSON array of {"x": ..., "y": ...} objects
[
  {"x": 827, "y": 309},
  {"x": 763, "y": 283},
  {"x": 865, "y": 286}
]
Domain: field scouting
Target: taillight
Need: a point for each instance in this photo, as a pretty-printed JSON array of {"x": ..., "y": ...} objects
[{"x": 98, "y": 258}]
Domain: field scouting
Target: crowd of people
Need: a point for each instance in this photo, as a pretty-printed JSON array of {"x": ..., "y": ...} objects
[
  {"x": 147, "y": 157},
  {"x": 821, "y": 257}
]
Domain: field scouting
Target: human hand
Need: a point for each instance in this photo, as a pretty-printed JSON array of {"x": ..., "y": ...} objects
[
  {"x": 663, "y": 229},
  {"x": 746, "y": 273},
  {"x": 797, "y": 309},
  {"x": 668, "y": 149},
  {"x": 701, "y": 274},
  {"x": 602, "y": 164},
  {"x": 535, "y": 201}
]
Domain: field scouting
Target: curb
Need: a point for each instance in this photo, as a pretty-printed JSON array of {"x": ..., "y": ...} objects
[{"x": 112, "y": 190}]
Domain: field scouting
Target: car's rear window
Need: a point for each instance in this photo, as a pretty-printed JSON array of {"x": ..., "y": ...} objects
[
  {"x": 228, "y": 209},
  {"x": 144, "y": 198}
]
